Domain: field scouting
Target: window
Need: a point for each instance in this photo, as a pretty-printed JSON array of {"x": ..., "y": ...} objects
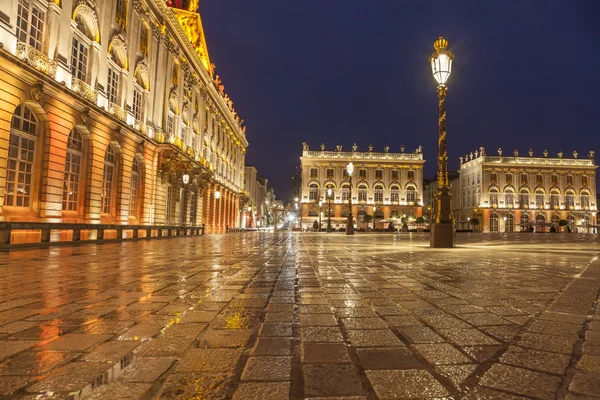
[
  {"x": 493, "y": 178},
  {"x": 509, "y": 179},
  {"x": 494, "y": 197},
  {"x": 21, "y": 158},
  {"x": 138, "y": 104},
  {"x": 494, "y": 222},
  {"x": 555, "y": 220},
  {"x": 524, "y": 198},
  {"x": 395, "y": 194},
  {"x": 524, "y": 179},
  {"x": 345, "y": 173},
  {"x": 524, "y": 222},
  {"x": 193, "y": 208},
  {"x": 362, "y": 174},
  {"x": 554, "y": 199},
  {"x": 378, "y": 174},
  {"x": 478, "y": 178},
  {"x": 554, "y": 180},
  {"x": 112, "y": 85},
  {"x": 313, "y": 192},
  {"x": 477, "y": 198},
  {"x": 411, "y": 194},
  {"x": 362, "y": 193},
  {"x": 539, "y": 179},
  {"x": 30, "y": 24},
  {"x": 170, "y": 122},
  {"x": 79, "y": 59},
  {"x": 345, "y": 193},
  {"x": 395, "y": 175},
  {"x": 509, "y": 198},
  {"x": 570, "y": 200},
  {"x": 584, "y": 181},
  {"x": 509, "y": 224},
  {"x": 569, "y": 180},
  {"x": 585, "y": 200},
  {"x": 135, "y": 188},
  {"x": 539, "y": 198},
  {"x": 378, "y": 194},
  {"x": 169, "y": 204},
  {"x": 314, "y": 173},
  {"x": 121, "y": 13},
  {"x": 144, "y": 36},
  {"x": 72, "y": 176},
  {"x": 110, "y": 166},
  {"x": 329, "y": 173},
  {"x": 411, "y": 175}
]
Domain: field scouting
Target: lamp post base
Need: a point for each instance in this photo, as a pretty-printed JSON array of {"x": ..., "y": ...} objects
[
  {"x": 442, "y": 235},
  {"x": 350, "y": 227}
]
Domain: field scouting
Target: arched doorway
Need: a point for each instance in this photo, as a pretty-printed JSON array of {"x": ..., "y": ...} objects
[
  {"x": 494, "y": 222},
  {"x": 509, "y": 224}
]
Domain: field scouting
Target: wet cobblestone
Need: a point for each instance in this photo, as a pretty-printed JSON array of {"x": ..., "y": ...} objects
[{"x": 303, "y": 316}]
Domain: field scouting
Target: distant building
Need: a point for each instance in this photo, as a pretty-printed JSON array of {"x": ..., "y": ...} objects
[
  {"x": 385, "y": 185},
  {"x": 430, "y": 188},
  {"x": 260, "y": 199}
]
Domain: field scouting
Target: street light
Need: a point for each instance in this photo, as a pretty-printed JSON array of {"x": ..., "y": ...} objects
[
  {"x": 350, "y": 224},
  {"x": 442, "y": 232},
  {"x": 186, "y": 179},
  {"x": 218, "y": 196},
  {"x": 374, "y": 209},
  {"x": 329, "y": 195},
  {"x": 320, "y": 212}
]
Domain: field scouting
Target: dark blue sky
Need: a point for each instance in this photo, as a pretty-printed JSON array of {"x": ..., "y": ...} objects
[{"x": 339, "y": 72}]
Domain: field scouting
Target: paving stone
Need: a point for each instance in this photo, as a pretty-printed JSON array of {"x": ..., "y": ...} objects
[
  {"x": 401, "y": 384},
  {"x": 276, "y": 330},
  {"x": 441, "y": 353},
  {"x": 121, "y": 390},
  {"x": 331, "y": 381},
  {"x": 355, "y": 313},
  {"x": 537, "y": 360},
  {"x": 166, "y": 346},
  {"x": 321, "y": 334},
  {"x": 481, "y": 353},
  {"x": 262, "y": 391},
  {"x": 35, "y": 363},
  {"x": 139, "y": 332},
  {"x": 521, "y": 381},
  {"x": 467, "y": 337},
  {"x": 585, "y": 384},
  {"x": 555, "y": 344},
  {"x": 324, "y": 353},
  {"x": 10, "y": 384},
  {"x": 196, "y": 386},
  {"x": 199, "y": 316},
  {"x": 273, "y": 346},
  {"x": 456, "y": 373},
  {"x": 589, "y": 363},
  {"x": 279, "y": 318},
  {"x": 420, "y": 334},
  {"x": 317, "y": 320},
  {"x": 112, "y": 351},
  {"x": 268, "y": 369},
  {"x": 210, "y": 361},
  {"x": 402, "y": 321},
  {"x": 9, "y": 348},
  {"x": 147, "y": 369},
  {"x": 387, "y": 358},
  {"x": 374, "y": 338},
  {"x": 189, "y": 330},
  {"x": 73, "y": 377},
  {"x": 364, "y": 323}
]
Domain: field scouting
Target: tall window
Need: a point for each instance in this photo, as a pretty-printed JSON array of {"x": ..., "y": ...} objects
[
  {"x": 170, "y": 122},
  {"x": 584, "y": 180},
  {"x": 478, "y": 178},
  {"x": 411, "y": 175},
  {"x": 135, "y": 188},
  {"x": 345, "y": 192},
  {"x": 585, "y": 200},
  {"x": 72, "y": 177},
  {"x": 112, "y": 85},
  {"x": 494, "y": 222},
  {"x": 554, "y": 199},
  {"x": 80, "y": 51},
  {"x": 329, "y": 173},
  {"x": 395, "y": 174},
  {"x": 509, "y": 179},
  {"x": 494, "y": 197},
  {"x": 539, "y": 179},
  {"x": 509, "y": 224},
  {"x": 569, "y": 180},
  {"x": 21, "y": 158},
  {"x": 411, "y": 194},
  {"x": 524, "y": 198},
  {"x": 524, "y": 222},
  {"x": 30, "y": 24},
  {"x": 570, "y": 199},
  {"x": 395, "y": 194},
  {"x": 524, "y": 179},
  {"x": 493, "y": 178},
  {"x": 539, "y": 198},
  {"x": 138, "y": 104},
  {"x": 110, "y": 169},
  {"x": 362, "y": 193},
  {"x": 509, "y": 198},
  {"x": 555, "y": 180},
  {"x": 362, "y": 174},
  {"x": 378, "y": 194},
  {"x": 144, "y": 36},
  {"x": 313, "y": 192},
  {"x": 314, "y": 173},
  {"x": 378, "y": 174},
  {"x": 555, "y": 220},
  {"x": 121, "y": 13}
]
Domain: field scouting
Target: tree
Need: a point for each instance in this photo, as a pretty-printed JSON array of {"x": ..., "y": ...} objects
[
  {"x": 315, "y": 225},
  {"x": 564, "y": 223},
  {"x": 367, "y": 219},
  {"x": 474, "y": 222}
]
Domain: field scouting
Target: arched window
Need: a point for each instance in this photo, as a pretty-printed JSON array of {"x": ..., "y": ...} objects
[
  {"x": 571, "y": 221},
  {"x": 136, "y": 186},
  {"x": 72, "y": 176},
  {"x": 494, "y": 197},
  {"x": 121, "y": 14},
  {"x": 378, "y": 194},
  {"x": 477, "y": 197},
  {"x": 395, "y": 194},
  {"x": 509, "y": 198},
  {"x": 570, "y": 199},
  {"x": 555, "y": 219},
  {"x": 509, "y": 224},
  {"x": 585, "y": 200},
  {"x": 362, "y": 193},
  {"x": 493, "y": 222},
  {"x": 524, "y": 198},
  {"x": 345, "y": 192},
  {"x": 313, "y": 192},
  {"x": 585, "y": 220},
  {"x": 108, "y": 182},
  {"x": 539, "y": 198},
  {"x": 30, "y": 24},
  {"x": 21, "y": 157},
  {"x": 540, "y": 219},
  {"x": 554, "y": 199},
  {"x": 144, "y": 38},
  {"x": 80, "y": 49},
  {"x": 411, "y": 195},
  {"x": 524, "y": 222}
]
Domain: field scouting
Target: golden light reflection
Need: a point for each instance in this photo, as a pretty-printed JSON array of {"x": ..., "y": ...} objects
[{"x": 237, "y": 321}]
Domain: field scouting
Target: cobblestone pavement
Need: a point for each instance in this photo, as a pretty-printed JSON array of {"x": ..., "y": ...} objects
[{"x": 277, "y": 316}]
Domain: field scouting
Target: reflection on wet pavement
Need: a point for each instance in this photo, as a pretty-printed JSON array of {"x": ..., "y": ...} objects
[{"x": 280, "y": 315}]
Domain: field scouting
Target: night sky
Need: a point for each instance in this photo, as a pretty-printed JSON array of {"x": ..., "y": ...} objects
[{"x": 525, "y": 76}]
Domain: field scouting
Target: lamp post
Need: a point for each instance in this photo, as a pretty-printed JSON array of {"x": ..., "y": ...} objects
[
  {"x": 320, "y": 212},
  {"x": 442, "y": 232},
  {"x": 329, "y": 194},
  {"x": 218, "y": 196},
  {"x": 299, "y": 217},
  {"x": 350, "y": 224}
]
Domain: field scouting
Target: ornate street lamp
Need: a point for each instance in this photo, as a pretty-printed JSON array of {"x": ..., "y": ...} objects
[
  {"x": 185, "y": 178},
  {"x": 442, "y": 225},
  {"x": 329, "y": 195},
  {"x": 320, "y": 212},
  {"x": 350, "y": 224}
]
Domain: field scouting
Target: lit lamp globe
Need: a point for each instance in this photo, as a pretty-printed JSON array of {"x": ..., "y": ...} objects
[
  {"x": 320, "y": 203},
  {"x": 186, "y": 179},
  {"x": 441, "y": 61},
  {"x": 350, "y": 168},
  {"x": 249, "y": 209},
  {"x": 217, "y": 195},
  {"x": 329, "y": 192}
]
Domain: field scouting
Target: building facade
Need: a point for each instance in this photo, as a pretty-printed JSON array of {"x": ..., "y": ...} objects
[
  {"x": 261, "y": 198},
  {"x": 112, "y": 113},
  {"x": 510, "y": 193},
  {"x": 385, "y": 186}
]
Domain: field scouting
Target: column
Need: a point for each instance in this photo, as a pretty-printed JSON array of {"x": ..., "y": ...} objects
[{"x": 206, "y": 206}]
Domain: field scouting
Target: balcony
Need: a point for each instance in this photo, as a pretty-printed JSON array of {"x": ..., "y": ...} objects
[
  {"x": 141, "y": 126},
  {"x": 85, "y": 90},
  {"x": 117, "y": 111},
  {"x": 36, "y": 59}
]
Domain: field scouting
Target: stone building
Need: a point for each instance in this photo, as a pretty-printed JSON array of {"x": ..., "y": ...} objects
[
  {"x": 430, "y": 189},
  {"x": 508, "y": 193},
  {"x": 385, "y": 185},
  {"x": 260, "y": 199},
  {"x": 111, "y": 112}
]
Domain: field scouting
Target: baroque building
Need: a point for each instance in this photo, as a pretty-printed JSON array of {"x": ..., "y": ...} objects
[
  {"x": 510, "y": 193},
  {"x": 260, "y": 200},
  {"x": 386, "y": 186},
  {"x": 111, "y": 112}
]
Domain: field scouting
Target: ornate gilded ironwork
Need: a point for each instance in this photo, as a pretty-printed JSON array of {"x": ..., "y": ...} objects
[
  {"x": 171, "y": 164},
  {"x": 117, "y": 111},
  {"x": 84, "y": 90},
  {"x": 36, "y": 59}
]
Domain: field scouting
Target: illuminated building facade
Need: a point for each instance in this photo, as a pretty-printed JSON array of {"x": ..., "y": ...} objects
[
  {"x": 511, "y": 193},
  {"x": 111, "y": 113},
  {"x": 390, "y": 182}
]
